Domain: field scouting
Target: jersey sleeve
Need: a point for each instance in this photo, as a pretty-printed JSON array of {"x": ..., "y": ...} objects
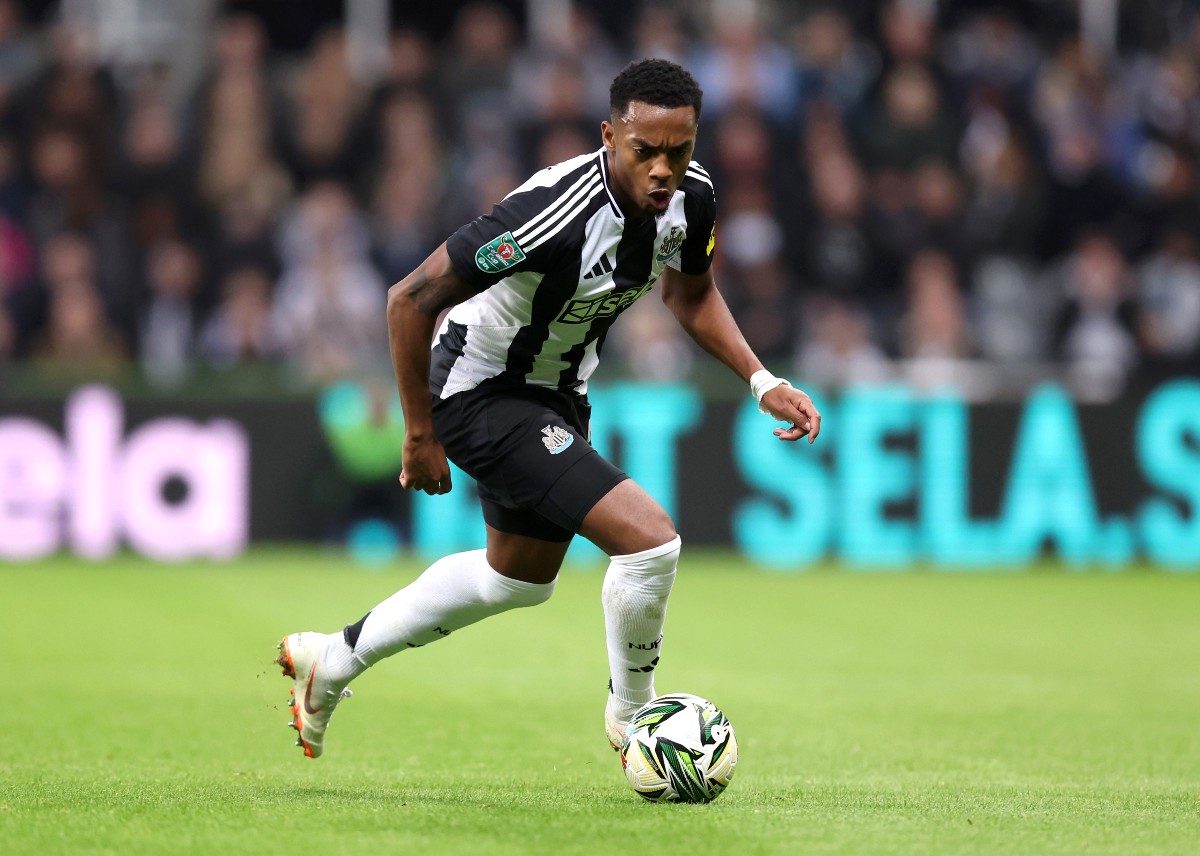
[
  {"x": 504, "y": 242},
  {"x": 700, "y": 206}
]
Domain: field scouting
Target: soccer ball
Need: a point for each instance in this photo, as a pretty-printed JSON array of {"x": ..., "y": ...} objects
[{"x": 679, "y": 748}]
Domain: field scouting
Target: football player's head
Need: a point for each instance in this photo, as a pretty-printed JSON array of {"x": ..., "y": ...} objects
[{"x": 651, "y": 133}]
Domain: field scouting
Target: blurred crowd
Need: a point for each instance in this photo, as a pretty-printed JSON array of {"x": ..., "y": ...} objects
[{"x": 976, "y": 193}]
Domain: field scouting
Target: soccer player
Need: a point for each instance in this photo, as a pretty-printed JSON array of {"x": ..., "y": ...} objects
[{"x": 534, "y": 287}]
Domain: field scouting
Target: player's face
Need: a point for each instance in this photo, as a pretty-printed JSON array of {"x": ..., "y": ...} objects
[{"x": 649, "y": 149}]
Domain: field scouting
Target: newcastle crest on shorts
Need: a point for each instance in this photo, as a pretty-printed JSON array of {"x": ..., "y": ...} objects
[{"x": 556, "y": 438}]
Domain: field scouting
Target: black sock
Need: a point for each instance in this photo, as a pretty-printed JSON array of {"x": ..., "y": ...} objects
[{"x": 351, "y": 631}]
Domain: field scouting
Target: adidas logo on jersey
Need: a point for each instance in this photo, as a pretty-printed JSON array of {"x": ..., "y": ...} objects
[{"x": 600, "y": 268}]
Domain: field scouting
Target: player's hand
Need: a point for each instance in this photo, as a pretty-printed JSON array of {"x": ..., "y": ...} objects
[
  {"x": 791, "y": 405},
  {"x": 425, "y": 466}
]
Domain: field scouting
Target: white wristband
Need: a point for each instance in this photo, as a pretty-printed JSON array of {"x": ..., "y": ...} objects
[{"x": 761, "y": 382}]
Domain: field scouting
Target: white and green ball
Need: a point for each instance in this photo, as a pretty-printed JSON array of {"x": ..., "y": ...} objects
[{"x": 679, "y": 748}]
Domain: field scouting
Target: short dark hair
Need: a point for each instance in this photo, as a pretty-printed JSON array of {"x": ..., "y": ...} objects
[{"x": 659, "y": 82}]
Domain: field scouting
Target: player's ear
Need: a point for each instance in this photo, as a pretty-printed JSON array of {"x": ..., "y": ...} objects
[{"x": 608, "y": 135}]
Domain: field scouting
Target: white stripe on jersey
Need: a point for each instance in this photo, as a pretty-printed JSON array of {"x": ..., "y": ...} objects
[
  {"x": 697, "y": 172},
  {"x": 552, "y": 175},
  {"x": 565, "y": 221},
  {"x": 607, "y": 181},
  {"x": 549, "y": 215},
  {"x": 483, "y": 356},
  {"x": 587, "y": 365}
]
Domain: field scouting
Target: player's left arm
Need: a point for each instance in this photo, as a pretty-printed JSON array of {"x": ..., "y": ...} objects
[{"x": 701, "y": 310}]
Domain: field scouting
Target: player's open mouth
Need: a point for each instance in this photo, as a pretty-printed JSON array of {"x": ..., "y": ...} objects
[{"x": 661, "y": 196}]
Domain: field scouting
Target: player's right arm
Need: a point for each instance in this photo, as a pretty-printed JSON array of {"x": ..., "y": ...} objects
[
  {"x": 478, "y": 255},
  {"x": 413, "y": 307}
]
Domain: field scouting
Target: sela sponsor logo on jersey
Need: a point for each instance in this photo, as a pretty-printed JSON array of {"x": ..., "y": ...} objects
[
  {"x": 556, "y": 438},
  {"x": 499, "y": 254},
  {"x": 712, "y": 239},
  {"x": 583, "y": 311},
  {"x": 671, "y": 244}
]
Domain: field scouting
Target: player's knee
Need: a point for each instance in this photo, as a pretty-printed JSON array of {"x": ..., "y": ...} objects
[
  {"x": 653, "y": 529},
  {"x": 654, "y": 561},
  {"x": 533, "y": 594},
  {"x": 504, "y": 592},
  {"x": 651, "y": 570}
]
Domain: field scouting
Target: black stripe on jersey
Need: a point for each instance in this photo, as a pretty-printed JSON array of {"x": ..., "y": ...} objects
[
  {"x": 635, "y": 253},
  {"x": 553, "y": 291},
  {"x": 452, "y": 344}
]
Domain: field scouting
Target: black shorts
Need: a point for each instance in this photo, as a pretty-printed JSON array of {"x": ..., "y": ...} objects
[{"x": 527, "y": 449}]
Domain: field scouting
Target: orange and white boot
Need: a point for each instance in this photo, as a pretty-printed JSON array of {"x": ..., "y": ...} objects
[{"x": 313, "y": 696}]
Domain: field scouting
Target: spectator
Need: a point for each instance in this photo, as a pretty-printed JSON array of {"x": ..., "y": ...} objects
[
  {"x": 935, "y": 337},
  {"x": 1004, "y": 209},
  {"x": 1168, "y": 297},
  {"x": 405, "y": 220},
  {"x": 659, "y": 31},
  {"x": 8, "y": 334},
  {"x": 992, "y": 49},
  {"x": 412, "y": 62},
  {"x": 239, "y": 329},
  {"x": 934, "y": 325},
  {"x": 907, "y": 32},
  {"x": 475, "y": 73},
  {"x": 16, "y": 258},
  {"x": 1095, "y": 332},
  {"x": 234, "y": 125},
  {"x": 745, "y": 67},
  {"x": 328, "y": 310},
  {"x": 78, "y": 341},
  {"x": 14, "y": 190},
  {"x": 169, "y": 322},
  {"x": 833, "y": 248},
  {"x": 838, "y": 348},
  {"x": 909, "y": 125},
  {"x": 834, "y": 69},
  {"x": 1012, "y": 311},
  {"x": 20, "y": 58},
  {"x": 320, "y": 136},
  {"x": 938, "y": 208},
  {"x": 71, "y": 196},
  {"x": 562, "y": 106},
  {"x": 874, "y": 157},
  {"x": 153, "y": 174}
]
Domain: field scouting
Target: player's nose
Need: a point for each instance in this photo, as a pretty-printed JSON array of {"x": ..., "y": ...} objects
[{"x": 660, "y": 168}]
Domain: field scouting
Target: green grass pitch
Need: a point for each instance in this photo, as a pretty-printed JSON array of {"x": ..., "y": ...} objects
[{"x": 1041, "y": 712}]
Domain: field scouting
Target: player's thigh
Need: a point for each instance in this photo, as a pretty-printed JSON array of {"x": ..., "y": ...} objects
[
  {"x": 627, "y": 520},
  {"x": 525, "y": 558},
  {"x": 528, "y": 453}
]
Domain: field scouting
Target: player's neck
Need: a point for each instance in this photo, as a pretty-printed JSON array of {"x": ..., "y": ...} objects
[{"x": 629, "y": 210}]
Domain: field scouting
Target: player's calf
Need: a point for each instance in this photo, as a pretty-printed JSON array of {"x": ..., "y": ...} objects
[{"x": 636, "y": 589}]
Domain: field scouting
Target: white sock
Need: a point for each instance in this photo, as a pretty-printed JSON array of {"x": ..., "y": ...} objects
[
  {"x": 636, "y": 588},
  {"x": 452, "y": 593}
]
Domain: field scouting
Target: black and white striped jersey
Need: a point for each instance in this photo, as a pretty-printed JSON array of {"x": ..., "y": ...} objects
[{"x": 556, "y": 263}]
